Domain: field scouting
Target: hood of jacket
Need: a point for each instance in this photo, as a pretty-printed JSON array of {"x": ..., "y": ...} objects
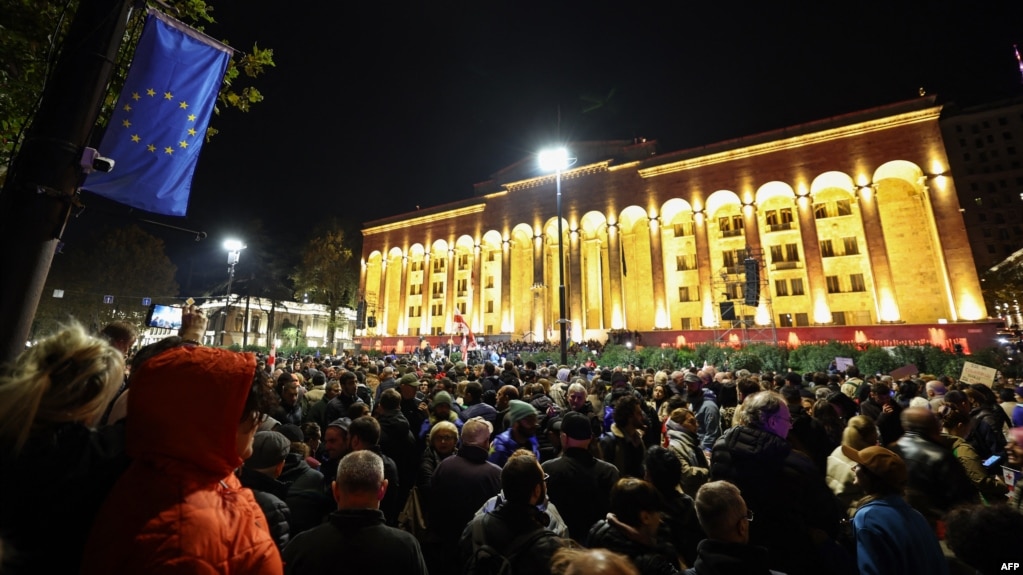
[{"x": 185, "y": 405}]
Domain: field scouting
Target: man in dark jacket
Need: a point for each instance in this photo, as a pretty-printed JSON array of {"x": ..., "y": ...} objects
[
  {"x": 461, "y": 485},
  {"x": 356, "y": 537},
  {"x": 937, "y": 481},
  {"x": 516, "y": 519},
  {"x": 578, "y": 483},
  {"x": 305, "y": 498},
  {"x": 884, "y": 411},
  {"x": 632, "y": 526},
  {"x": 726, "y": 520},
  {"x": 260, "y": 473},
  {"x": 797, "y": 514},
  {"x": 623, "y": 446},
  {"x": 338, "y": 407}
]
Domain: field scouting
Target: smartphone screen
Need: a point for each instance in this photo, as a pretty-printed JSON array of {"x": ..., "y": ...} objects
[
  {"x": 164, "y": 316},
  {"x": 992, "y": 460}
]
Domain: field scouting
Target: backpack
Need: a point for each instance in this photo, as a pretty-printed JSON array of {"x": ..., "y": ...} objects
[{"x": 488, "y": 560}]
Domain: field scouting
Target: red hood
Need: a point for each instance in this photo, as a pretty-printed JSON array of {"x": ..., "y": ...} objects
[{"x": 185, "y": 405}]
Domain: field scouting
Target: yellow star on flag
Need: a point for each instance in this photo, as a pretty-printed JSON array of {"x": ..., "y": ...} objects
[
  {"x": 191, "y": 131},
  {"x": 168, "y": 150},
  {"x": 126, "y": 123},
  {"x": 135, "y": 138},
  {"x": 150, "y": 92},
  {"x": 183, "y": 105},
  {"x": 168, "y": 96},
  {"x": 135, "y": 96},
  {"x": 127, "y": 107},
  {"x": 151, "y": 148},
  {"x": 191, "y": 117},
  {"x": 183, "y": 144}
]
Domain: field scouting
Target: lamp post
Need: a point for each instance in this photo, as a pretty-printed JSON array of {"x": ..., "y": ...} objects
[
  {"x": 557, "y": 159},
  {"x": 234, "y": 249}
]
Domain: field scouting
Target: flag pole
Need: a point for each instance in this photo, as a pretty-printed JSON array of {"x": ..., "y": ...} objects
[{"x": 40, "y": 189}]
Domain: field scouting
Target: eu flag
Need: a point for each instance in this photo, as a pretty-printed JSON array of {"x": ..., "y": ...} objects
[{"x": 158, "y": 127}]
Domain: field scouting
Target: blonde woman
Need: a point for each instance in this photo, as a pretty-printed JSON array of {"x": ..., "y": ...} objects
[{"x": 57, "y": 467}]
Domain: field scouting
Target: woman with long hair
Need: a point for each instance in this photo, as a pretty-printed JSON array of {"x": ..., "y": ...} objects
[{"x": 57, "y": 467}]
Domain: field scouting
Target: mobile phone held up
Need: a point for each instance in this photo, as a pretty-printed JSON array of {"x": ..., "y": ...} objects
[
  {"x": 164, "y": 316},
  {"x": 992, "y": 460}
]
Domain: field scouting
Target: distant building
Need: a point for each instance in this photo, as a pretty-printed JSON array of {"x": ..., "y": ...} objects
[
  {"x": 985, "y": 152},
  {"x": 227, "y": 324},
  {"x": 853, "y": 221}
]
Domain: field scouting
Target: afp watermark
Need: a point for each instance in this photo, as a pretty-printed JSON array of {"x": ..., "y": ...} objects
[{"x": 1010, "y": 566}]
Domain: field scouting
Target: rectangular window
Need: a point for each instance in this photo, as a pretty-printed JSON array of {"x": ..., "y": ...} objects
[
  {"x": 439, "y": 264},
  {"x": 778, "y": 220},
  {"x": 785, "y": 320},
  {"x": 838, "y": 317},
  {"x": 733, "y": 261},
  {"x": 489, "y": 330},
  {"x": 413, "y": 311},
  {"x": 462, "y": 287},
  {"x": 832, "y": 209},
  {"x": 492, "y": 256},
  {"x": 437, "y": 310},
  {"x": 734, "y": 290},
  {"x": 685, "y": 262},
  {"x": 857, "y": 282},
  {"x": 797, "y": 286},
  {"x": 802, "y": 320},
  {"x": 254, "y": 324},
  {"x": 415, "y": 332},
  {"x": 827, "y": 250},
  {"x": 416, "y": 289},
  {"x": 731, "y": 226},
  {"x": 437, "y": 330},
  {"x": 437, "y": 289},
  {"x": 791, "y": 252},
  {"x": 683, "y": 229},
  {"x": 463, "y": 262},
  {"x": 490, "y": 282},
  {"x": 833, "y": 285},
  {"x": 688, "y": 293},
  {"x": 687, "y": 323},
  {"x": 852, "y": 247},
  {"x": 781, "y": 288},
  {"x": 490, "y": 306}
]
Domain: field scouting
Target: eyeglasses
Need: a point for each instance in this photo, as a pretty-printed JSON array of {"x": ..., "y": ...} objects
[
  {"x": 749, "y": 515},
  {"x": 546, "y": 477}
]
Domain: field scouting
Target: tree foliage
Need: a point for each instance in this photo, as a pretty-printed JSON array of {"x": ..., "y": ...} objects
[
  {"x": 31, "y": 37},
  {"x": 327, "y": 273},
  {"x": 126, "y": 263}
]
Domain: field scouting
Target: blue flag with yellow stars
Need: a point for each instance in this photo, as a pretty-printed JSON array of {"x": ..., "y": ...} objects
[{"x": 158, "y": 127}]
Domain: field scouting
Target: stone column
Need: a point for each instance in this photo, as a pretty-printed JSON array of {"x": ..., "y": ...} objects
[
  {"x": 614, "y": 272},
  {"x": 885, "y": 296},
  {"x": 814, "y": 266},
  {"x": 660, "y": 318}
]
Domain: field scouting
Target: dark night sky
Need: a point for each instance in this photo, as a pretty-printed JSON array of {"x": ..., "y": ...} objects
[{"x": 374, "y": 108}]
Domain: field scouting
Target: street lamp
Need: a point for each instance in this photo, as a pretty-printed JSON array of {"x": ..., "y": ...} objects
[
  {"x": 234, "y": 249},
  {"x": 556, "y": 160}
]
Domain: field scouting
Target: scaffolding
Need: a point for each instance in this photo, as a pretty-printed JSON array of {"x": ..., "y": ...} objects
[{"x": 736, "y": 312}]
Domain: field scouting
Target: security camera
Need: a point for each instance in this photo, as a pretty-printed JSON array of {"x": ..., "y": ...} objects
[{"x": 93, "y": 162}]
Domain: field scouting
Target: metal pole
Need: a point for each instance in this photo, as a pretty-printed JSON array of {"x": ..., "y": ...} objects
[
  {"x": 37, "y": 198},
  {"x": 563, "y": 321},
  {"x": 227, "y": 307}
]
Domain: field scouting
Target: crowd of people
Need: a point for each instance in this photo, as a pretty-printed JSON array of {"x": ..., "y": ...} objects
[{"x": 191, "y": 459}]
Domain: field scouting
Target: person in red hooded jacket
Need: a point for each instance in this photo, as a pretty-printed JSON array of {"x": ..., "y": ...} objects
[{"x": 192, "y": 414}]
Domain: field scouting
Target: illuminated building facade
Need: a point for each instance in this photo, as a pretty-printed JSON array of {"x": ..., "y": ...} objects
[{"x": 854, "y": 221}]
